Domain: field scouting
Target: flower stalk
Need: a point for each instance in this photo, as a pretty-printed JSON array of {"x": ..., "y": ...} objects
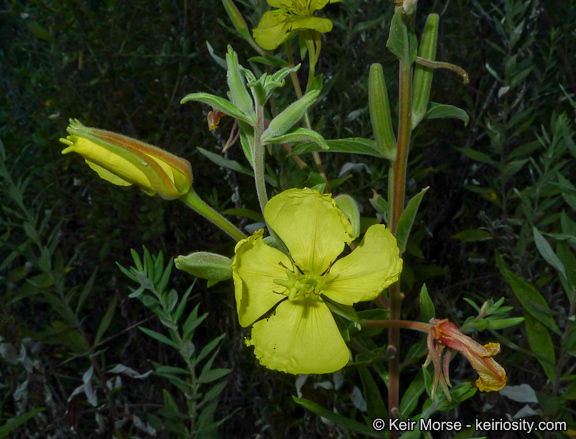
[{"x": 192, "y": 200}]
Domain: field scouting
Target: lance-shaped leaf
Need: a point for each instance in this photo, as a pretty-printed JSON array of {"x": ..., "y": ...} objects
[
  {"x": 422, "y": 74},
  {"x": 402, "y": 41},
  {"x": 220, "y": 104},
  {"x": 238, "y": 93},
  {"x": 299, "y": 135},
  {"x": 352, "y": 145},
  {"x": 289, "y": 117},
  {"x": 407, "y": 219},
  {"x": 380, "y": 113},
  {"x": 441, "y": 111}
]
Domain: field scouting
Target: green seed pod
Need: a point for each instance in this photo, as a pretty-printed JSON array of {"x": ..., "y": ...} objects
[
  {"x": 349, "y": 207},
  {"x": 211, "y": 266},
  {"x": 380, "y": 113},
  {"x": 290, "y": 116},
  {"x": 422, "y": 74},
  {"x": 238, "y": 93}
]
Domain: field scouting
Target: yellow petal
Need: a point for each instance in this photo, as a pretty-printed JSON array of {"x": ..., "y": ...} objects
[
  {"x": 255, "y": 267},
  {"x": 272, "y": 30},
  {"x": 364, "y": 273},
  {"x": 312, "y": 227},
  {"x": 302, "y": 337},
  {"x": 321, "y": 25}
]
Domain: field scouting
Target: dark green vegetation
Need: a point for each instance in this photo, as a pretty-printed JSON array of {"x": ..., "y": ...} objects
[{"x": 498, "y": 220}]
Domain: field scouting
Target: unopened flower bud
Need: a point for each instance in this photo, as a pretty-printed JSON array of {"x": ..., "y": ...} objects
[{"x": 124, "y": 161}]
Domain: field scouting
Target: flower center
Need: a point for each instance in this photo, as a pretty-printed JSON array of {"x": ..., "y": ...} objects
[
  {"x": 298, "y": 285},
  {"x": 298, "y": 7}
]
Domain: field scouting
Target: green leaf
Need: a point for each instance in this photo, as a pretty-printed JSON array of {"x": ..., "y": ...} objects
[
  {"x": 407, "y": 219},
  {"x": 568, "y": 191},
  {"x": 412, "y": 395},
  {"x": 86, "y": 290},
  {"x": 220, "y": 104},
  {"x": 289, "y": 116},
  {"x": 542, "y": 346},
  {"x": 106, "y": 320},
  {"x": 208, "y": 348},
  {"x": 348, "y": 423},
  {"x": 233, "y": 164},
  {"x": 161, "y": 338},
  {"x": 442, "y": 111},
  {"x": 547, "y": 253},
  {"x": 402, "y": 41},
  {"x": 427, "y": 310},
  {"x": 473, "y": 235},
  {"x": 531, "y": 300},
  {"x": 298, "y": 135},
  {"x": 380, "y": 205},
  {"x": 14, "y": 423},
  {"x": 39, "y": 31},
  {"x": 353, "y": 145},
  {"x": 478, "y": 156},
  {"x": 212, "y": 375},
  {"x": 372, "y": 394}
]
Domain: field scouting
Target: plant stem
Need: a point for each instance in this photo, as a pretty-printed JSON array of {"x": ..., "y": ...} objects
[
  {"x": 192, "y": 200},
  {"x": 296, "y": 84},
  {"x": 398, "y": 194},
  {"x": 397, "y": 324},
  {"x": 259, "y": 154}
]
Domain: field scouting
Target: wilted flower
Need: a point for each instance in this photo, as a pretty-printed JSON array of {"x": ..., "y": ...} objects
[
  {"x": 125, "y": 161},
  {"x": 492, "y": 377}
]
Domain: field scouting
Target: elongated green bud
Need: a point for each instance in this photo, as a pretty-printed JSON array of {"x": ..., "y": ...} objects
[
  {"x": 236, "y": 18},
  {"x": 380, "y": 113},
  {"x": 422, "y": 74},
  {"x": 205, "y": 265},
  {"x": 349, "y": 207},
  {"x": 238, "y": 93},
  {"x": 290, "y": 116}
]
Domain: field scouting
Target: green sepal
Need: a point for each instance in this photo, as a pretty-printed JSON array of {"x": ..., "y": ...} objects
[
  {"x": 298, "y": 135},
  {"x": 206, "y": 265},
  {"x": 442, "y": 111},
  {"x": 220, "y": 104},
  {"x": 407, "y": 219},
  {"x": 238, "y": 93},
  {"x": 290, "y": 116},
  {"x": 352, "y": 145},
  {"x": 402, "y": 41},
  {"x": 380, "y": 113},
  {"x": 422, "y": 74},
  {"x": 349, "y": 207}
]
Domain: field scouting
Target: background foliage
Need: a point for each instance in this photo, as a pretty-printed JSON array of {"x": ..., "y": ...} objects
[{"x": 496, "y": 221}]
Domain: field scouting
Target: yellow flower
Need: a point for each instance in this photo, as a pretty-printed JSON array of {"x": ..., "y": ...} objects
[
  {"x": 277, "y": 25},
  {"x": 492, "y": 377},
  {"x": 301, "y": 336},
  {"x": 125, "y": 161}
]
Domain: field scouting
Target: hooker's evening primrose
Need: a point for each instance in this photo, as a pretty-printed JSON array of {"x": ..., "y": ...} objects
[
  {"x": 301, "y": 335},
  {"x": 125, "y": 161},
  {"x": 277, "y": 25}
]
